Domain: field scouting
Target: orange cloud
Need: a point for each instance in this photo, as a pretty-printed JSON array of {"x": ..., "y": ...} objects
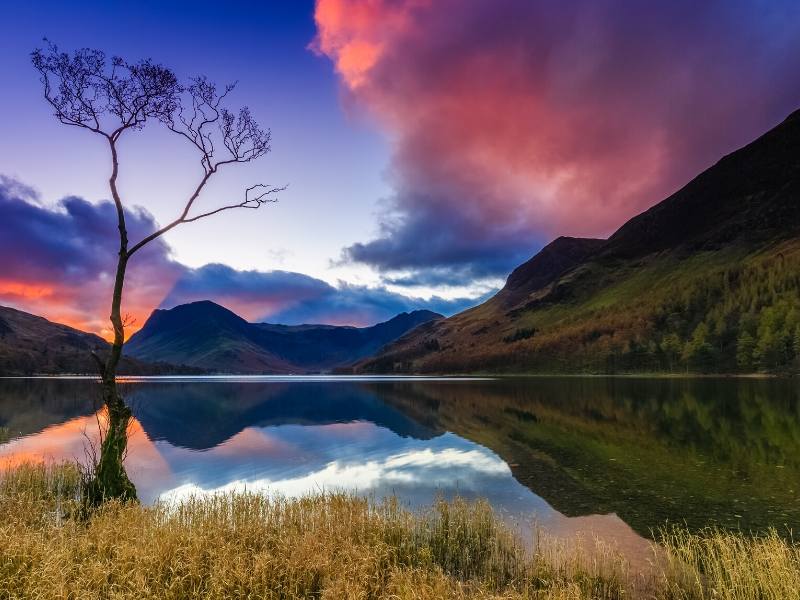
[
  {"x": 67, "y": 304},
  {"x": 24, "y": 290},
  {"x": 347, "y": 31},
  {"x": 59, "y": 262},
  {"x": 84, "y": 307}
]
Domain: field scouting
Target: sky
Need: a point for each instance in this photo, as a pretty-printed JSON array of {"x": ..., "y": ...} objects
[{"x": 429, "y": 146}]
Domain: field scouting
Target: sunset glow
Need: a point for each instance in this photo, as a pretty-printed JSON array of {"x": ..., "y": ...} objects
[{"x": 24, "y": 290}]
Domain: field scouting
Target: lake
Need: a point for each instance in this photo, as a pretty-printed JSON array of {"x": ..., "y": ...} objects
[{"x": 612, "y": 458}]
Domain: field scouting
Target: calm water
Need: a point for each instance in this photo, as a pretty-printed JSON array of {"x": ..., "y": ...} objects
[{"x": 613, "y": 458}]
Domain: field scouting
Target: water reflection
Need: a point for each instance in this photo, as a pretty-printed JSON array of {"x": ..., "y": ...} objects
[
  {"x": 201, "y": 415},
  {"x": 591, "y": 455},
  {"x": 722, "y": 452}
]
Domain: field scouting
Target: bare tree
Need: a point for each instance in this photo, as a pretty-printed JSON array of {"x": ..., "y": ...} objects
[{"x": 113, "y": 98}]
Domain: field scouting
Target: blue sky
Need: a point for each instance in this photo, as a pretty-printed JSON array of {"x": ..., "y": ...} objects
[{"x": 331, "y": 159}]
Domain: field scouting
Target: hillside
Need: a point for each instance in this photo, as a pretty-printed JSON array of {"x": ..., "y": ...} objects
[
  {"x": 708, "y": 280},
  {"x": 206, "y": 335},
  {"x": 31, "y": 345}
]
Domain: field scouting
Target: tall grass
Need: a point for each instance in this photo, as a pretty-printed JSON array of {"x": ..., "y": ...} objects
[
  {"x": 717, "y": 564},
  {"x": 338, "y": 546}
]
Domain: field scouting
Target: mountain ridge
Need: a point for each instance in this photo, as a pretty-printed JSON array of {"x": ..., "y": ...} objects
[
  {"x": 33, "y": 345},
  {"x": 207, "y": 335},
  {"x": 706, "y": 280}
]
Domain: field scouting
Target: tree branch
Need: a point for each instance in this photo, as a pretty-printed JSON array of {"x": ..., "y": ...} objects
[{"x": 253, "y": 201}]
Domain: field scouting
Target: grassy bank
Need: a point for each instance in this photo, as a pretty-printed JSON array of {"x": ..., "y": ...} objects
[{"x": 336, "y": 546}]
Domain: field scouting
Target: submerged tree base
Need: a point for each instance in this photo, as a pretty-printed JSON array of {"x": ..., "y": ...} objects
[
  {"x": 339, "y": 546},
  {"x": 108, "y": 480}
]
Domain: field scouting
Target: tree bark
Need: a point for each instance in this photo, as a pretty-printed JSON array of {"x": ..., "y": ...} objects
[{"x": 110, "y": 478}]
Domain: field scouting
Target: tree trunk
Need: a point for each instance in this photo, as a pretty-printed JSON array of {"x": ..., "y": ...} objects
[{"x": 110, "y": 479}]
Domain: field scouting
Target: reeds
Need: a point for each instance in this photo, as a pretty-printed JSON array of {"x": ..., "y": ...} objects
[
  {"x": 718, "y": 564},
  {"x": 338, "y": 546}
]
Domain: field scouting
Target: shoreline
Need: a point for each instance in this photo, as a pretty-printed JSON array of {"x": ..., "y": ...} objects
[
  {"x": 340, "y": 546},
  {"x": 418, "y": 376}
]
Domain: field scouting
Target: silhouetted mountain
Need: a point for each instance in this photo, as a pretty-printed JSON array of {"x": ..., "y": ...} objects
[
  {"x": 33, "y": 345},
  {"x": 207, "y": 335},
  {"x": 706, "y": 280},
  {"x": 204, "y": 334},
  {"x": 751, "y": 195}
]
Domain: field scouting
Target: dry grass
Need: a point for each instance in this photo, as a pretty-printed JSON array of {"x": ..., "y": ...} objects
[
  {"x": 336, "y": 546},
  {"x": 717, "y": 564}
]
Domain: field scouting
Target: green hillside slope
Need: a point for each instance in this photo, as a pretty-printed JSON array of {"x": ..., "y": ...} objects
[{"x": 706, "y": 281}]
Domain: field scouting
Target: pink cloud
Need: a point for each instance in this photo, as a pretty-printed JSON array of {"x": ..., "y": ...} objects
[{"x": 515, "y": 121}]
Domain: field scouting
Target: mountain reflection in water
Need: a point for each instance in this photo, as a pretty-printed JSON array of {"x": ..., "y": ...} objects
[{"x": 595, "y": 455}]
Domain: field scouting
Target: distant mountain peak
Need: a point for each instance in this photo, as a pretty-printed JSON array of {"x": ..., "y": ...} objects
[
  {"x": 209, "y": 336},
  {"x": 199, "y": 307},
  {"x": 421, "y": 313}
]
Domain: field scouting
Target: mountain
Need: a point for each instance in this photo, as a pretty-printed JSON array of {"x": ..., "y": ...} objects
[
  {"x": 707, "y": 280},
  {"x": 204, "y": 334},
  {"x": 554, "y": 259},
  {"x": 209, "y": 336},
  {"x": 33, "y": 345}
]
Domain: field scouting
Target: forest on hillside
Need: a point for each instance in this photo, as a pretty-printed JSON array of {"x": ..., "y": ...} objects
[
  {"x": 741, "y": 318},
  {"x": 730, "y": 310}
]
